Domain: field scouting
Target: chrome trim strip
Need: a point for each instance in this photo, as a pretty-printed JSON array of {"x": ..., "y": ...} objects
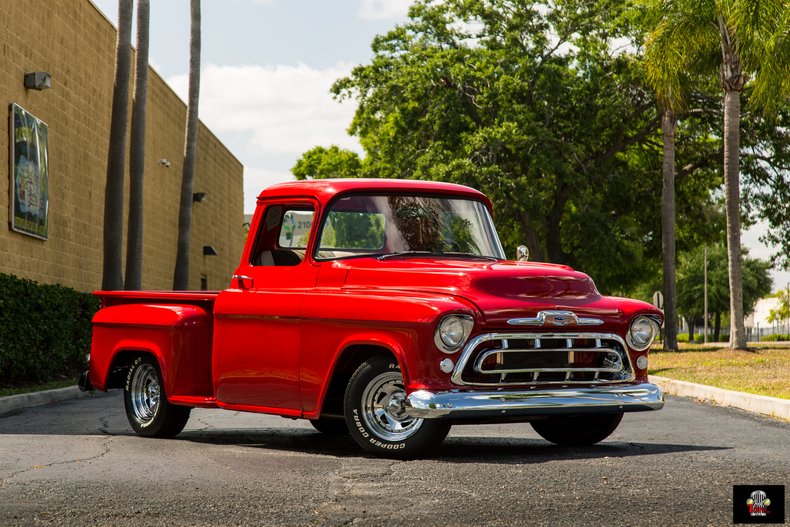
[
  {"x": 556, "y": 318},
  {"x": 478, "y": 366},
  {"x": 470, "y": 347},
  {"x": 506, "y": 404}
]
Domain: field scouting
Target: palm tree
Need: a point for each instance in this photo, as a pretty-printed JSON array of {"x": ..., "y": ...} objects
[
  {"x": 668, "y": 125},
  {"x": 668, "y": 79},
  {"x": 740, "y": 39},
  {"x": 134, "y": 235},
  {"x": 112, "y": 276},
  {"x": 181, "y": 273}
]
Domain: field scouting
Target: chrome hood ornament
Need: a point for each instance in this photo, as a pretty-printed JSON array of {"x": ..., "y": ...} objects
[{"x": 556, "y": 318}]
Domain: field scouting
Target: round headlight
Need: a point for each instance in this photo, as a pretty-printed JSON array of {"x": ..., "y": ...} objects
[
  {"x": 452, "y": 332},
  {"x": 642, "y": 332}
]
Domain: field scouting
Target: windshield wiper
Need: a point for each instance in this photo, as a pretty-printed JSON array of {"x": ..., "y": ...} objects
[
  {"x": 438, "y": 255},
  {"x": 405, "y": 253},
  {"x": 471, "y": 255}
]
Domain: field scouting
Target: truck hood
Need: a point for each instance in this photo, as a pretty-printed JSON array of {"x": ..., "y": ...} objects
[{"x": 501, "y": 290}]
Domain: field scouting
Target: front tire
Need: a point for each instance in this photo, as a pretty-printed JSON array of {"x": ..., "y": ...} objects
[
  {"x": 147, "y": 408},
  {"x": 376, "y": 415},
  {"x": 577, "y": 430}
]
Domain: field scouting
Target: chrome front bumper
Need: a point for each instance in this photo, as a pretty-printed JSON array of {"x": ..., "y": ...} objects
[{"x": 525, "y": 403}]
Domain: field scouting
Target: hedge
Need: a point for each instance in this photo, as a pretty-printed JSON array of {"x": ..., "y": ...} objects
[
  {"x": 776, "y": 337},
  {"x": 45, "y": 331}
]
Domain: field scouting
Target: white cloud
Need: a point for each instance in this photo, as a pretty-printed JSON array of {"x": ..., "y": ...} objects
[
  {"x": 257, "y": 179},
  {"x": 281, "y": 110},
  {"x": 383, "y": 9},
  {"x": 268, "y": 116}
]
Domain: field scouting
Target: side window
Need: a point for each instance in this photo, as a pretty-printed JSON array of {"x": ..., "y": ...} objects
[
  {"x": 283, "y": 235},
  {"x": 295, "y": 229}
]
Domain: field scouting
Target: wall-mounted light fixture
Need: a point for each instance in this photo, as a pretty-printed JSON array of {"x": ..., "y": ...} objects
[
  {"x": 164, "y": 162},
  {"x": 199, "y": 197},
  {"x": 209, "y": 250},
  {"x": 38, "y": 80}
]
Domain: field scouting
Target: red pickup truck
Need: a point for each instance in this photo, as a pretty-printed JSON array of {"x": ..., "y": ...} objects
[{"x": 385, "y": 309}]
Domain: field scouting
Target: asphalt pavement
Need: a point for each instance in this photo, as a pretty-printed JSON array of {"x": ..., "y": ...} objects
[{"x": 77, "y": 462}]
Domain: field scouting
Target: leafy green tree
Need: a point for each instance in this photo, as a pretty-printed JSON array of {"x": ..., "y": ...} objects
[
  {"x": 332, "y": 162},
  {"x": 756, "y": 284},
  {"x": 782, "y": 311},
  {"x": 737, "y": 39},
  {"x": 527, "y": 102}
]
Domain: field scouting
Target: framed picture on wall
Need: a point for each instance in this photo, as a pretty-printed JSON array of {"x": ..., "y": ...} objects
[{"x": 29, "y": 201}]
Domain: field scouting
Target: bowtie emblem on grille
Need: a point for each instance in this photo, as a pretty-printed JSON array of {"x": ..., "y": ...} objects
[{"x": 556, "y": 318}]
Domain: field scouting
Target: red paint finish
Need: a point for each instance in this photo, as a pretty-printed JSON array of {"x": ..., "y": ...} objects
[
  {"x": 273, "y": 341},
  {"x": 178, "y": 335}
]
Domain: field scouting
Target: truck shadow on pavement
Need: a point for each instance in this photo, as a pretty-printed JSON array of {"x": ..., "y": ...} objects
[{"x": 458, "y": 449}]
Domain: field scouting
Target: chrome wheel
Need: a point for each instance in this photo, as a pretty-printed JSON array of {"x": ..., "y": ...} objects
[
  {"x": 383, "y": 408},
  {"x": 144, "y": 392}
]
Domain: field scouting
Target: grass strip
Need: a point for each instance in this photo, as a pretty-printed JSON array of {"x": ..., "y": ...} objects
[
  {"x": 16, "y": 390},
  {"x": 762, "y": 371}
]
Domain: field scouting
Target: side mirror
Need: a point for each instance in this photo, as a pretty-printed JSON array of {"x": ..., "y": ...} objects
[{"x": 522, "y": 253}]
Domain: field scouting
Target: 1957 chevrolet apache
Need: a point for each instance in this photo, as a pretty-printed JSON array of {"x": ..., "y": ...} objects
[{"x": 385, "y": 309}]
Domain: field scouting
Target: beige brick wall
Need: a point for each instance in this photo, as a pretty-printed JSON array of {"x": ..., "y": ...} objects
[{"x": 74, "y": 42}]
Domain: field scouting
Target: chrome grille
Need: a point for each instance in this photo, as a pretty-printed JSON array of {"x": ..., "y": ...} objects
[{"x": 510, "y": 359}]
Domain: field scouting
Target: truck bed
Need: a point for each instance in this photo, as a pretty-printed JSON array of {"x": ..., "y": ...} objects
[{"x": 176, "y": 327}]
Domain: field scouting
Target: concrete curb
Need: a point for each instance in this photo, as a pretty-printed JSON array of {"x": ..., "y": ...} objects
[
  {"x": 13, "y": 403},
  {"x": 760, "y": 404}
]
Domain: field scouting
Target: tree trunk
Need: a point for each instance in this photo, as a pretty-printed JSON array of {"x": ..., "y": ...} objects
[
  {"x": 181, "y": 273},
  {"x": 554, "y": 250},
  {"x": 531, "y": 239},
  {"x": 692, "y": 328},
  {"x": 717, "y": 327},
  {"x": 732, "y": 81},
  {"x": 732, "y": 199},
  {"x": 668, "y": 125},
  {"x": 112, "y": 275},
  {"x": 134, "y": 235}
]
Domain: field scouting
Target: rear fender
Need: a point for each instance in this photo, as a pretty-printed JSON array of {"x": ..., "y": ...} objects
[{"x": 178, "y": 336}]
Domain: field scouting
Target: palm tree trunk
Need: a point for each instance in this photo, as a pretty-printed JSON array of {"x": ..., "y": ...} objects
[
  {"x": 181, "y": 273},
  {"x": 732, "y": 81},
  {"x": 112, "y": 275},
  {"x": 668, "y": 125},
  {"x": 732, "y": 200},
  {"x": 134, "y": 235}
]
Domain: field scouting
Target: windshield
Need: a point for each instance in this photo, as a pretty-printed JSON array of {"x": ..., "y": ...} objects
[{"x": 392, "y": 225}]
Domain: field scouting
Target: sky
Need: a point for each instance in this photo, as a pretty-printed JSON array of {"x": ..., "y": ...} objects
[{"x": 266, "y": 70}]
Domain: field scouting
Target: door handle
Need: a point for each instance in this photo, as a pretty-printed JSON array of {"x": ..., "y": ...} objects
[{"x": 244, "y": 282}]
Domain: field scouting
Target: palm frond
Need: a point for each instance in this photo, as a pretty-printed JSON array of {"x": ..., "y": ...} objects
[{"x": 684, "y": 34}]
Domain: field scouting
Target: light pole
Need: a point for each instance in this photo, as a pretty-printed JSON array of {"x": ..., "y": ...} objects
[{"x": 705, "y": 287}]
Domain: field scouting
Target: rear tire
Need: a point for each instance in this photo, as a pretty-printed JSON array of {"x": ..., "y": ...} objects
[
  {"x": 577, "y": 430},
  {"x": 147, "y": 408},
  {"x": 377, "y": 418}
]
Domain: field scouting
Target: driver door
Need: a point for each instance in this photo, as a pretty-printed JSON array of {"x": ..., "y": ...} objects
[{"x": 258, "y": 328}]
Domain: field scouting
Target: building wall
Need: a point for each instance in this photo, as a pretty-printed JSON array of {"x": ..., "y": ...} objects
[{"x": 74, "y": 42}]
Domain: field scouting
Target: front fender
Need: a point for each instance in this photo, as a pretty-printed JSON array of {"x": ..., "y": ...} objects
[
  {"x": 402, "y": 323},
  {"x": 178, "y": 336}
]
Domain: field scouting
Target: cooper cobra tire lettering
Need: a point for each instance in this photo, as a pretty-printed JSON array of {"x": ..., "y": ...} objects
[
  {"x": 359, "y": 425},
  {"x": 377, "y": 417}
]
